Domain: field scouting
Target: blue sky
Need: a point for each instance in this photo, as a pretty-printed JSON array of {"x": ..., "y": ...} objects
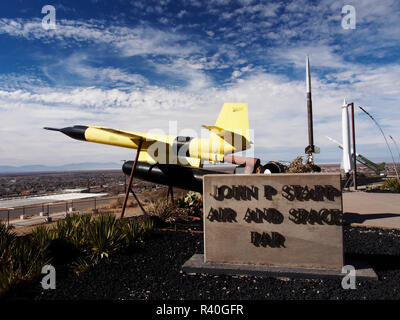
[{"x": 136, "y": 65}]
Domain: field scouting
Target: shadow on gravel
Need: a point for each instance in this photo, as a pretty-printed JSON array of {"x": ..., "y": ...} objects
[
  {"x": 351, "y": 217},
  {"x": 378, "y": 262}
]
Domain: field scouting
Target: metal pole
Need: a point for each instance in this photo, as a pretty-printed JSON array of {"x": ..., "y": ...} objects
[
  {"x": 397, "y": 147},
  {"x": 354, "y": 146},
  {"x": 131, "y": 178},
  {"x": 387, "y": 144},
  {"x": 8, "y": 215}
]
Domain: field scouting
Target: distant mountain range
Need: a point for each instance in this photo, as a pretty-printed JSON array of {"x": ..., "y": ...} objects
[{"x": 65, "y": 167}]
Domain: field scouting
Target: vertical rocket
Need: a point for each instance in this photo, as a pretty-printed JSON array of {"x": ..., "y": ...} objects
[
  {"x": 346, "y": 163},
  {"x": 311, "y": 148}
]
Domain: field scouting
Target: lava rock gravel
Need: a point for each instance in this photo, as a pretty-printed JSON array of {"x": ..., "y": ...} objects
[{"x": 152, "y": 270}]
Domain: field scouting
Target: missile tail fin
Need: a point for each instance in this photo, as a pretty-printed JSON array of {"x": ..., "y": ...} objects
[{"x": 234, "y": 118}]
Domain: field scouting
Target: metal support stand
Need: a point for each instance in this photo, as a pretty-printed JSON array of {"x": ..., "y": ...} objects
[
  {"x": 137, "y": 200},
  {"x": 170, "y": 192},
  {"x": 354, "y": 147},
  {"x": 349, "y": 181},
  {"x": 129, "y": 188}
]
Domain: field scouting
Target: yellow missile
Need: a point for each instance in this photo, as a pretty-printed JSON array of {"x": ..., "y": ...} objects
[{"x": 229, "y": 134}]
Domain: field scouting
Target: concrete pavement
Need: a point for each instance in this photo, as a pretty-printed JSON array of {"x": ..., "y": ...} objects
[{"x": 369, "y": 209}]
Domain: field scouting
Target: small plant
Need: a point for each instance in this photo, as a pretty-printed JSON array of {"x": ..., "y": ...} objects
[
  {"x": 26, "y": 258},
  {"x": 20, "y": 259},
  {"x": 40, "y": 236},
  {"x": 73, "y": 229},
  {"x": 7, "y": 277},
  {"x": 192, "y": 202},
  {"x": 24, "y": 262},
  {"x": 65, "y": 228},
  {"x": 81, "y": 266},
  {"x": 131, "y": 230},
  {"x": 104, "y": 236},
  {"x": 7, "y": 238},
  {"x": 84, "y": 219},
  {"x": 193, "y": 198},
  {"x": 297, "y": 166},
  {"x": 147, "y": 227},
  {"x": 391, "y": 184},
  {"x": 162, "y": 209}
]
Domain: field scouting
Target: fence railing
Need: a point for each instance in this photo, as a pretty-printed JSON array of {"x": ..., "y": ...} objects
[{"x": 56, "y": 207}]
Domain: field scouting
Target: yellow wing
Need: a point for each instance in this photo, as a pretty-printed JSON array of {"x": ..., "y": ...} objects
[
  {"x": 154, "y": 149},
  {"x": 133, "y": 136}
]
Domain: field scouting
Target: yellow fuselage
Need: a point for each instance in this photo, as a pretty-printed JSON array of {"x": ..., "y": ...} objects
[{"x": 166, "y": 148}]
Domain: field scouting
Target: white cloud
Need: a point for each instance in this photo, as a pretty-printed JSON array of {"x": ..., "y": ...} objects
[
  {"x": 140, "y": 40},
  {"x": 277, "y": 111}
]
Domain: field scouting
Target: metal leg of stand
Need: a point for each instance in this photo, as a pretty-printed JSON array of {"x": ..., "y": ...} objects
[
  {"x": 140, "y": 205},
  {"x": 170, "y": 192},
  {"x": 131, "y": 179}
]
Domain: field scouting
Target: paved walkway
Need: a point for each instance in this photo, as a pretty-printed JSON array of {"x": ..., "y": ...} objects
[{"x": 368, "y": 209}]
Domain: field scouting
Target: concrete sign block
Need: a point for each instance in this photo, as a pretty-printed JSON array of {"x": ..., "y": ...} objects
[{"x": 286, "y": 220}]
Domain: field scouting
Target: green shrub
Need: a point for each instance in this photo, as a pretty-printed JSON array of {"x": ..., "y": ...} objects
[
  {"x": 26, "y": 258},
  {"x": 165, "y": 210},
  {"x": 161, "y": 208},
  {"x": 192, "y": 202},
  {"x": 73, "y": 229},
  {"x": 391, "y": 184},
  {"x": 131, "y": 230},
  {"x": 40, "y": 236},
  {"x": 24, "y": 262},
  {"x": 7, "y": 277},
  {"x": 7, "y": 238},
  {"x": 147, "y": 227},
  {"x": 104, "y": 236},
  {"x": 82, "y": 265},
  {"x": 21, "y": 258}
]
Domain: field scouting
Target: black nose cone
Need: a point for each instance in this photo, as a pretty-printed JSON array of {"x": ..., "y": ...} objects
[{"x": 75, "y": 132}]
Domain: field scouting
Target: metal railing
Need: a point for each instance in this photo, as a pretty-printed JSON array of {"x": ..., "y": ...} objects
[{"x": 67, "y": 206}]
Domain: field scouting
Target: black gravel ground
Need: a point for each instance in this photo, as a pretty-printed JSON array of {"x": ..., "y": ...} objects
[{"x": 153, "y": 271}]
